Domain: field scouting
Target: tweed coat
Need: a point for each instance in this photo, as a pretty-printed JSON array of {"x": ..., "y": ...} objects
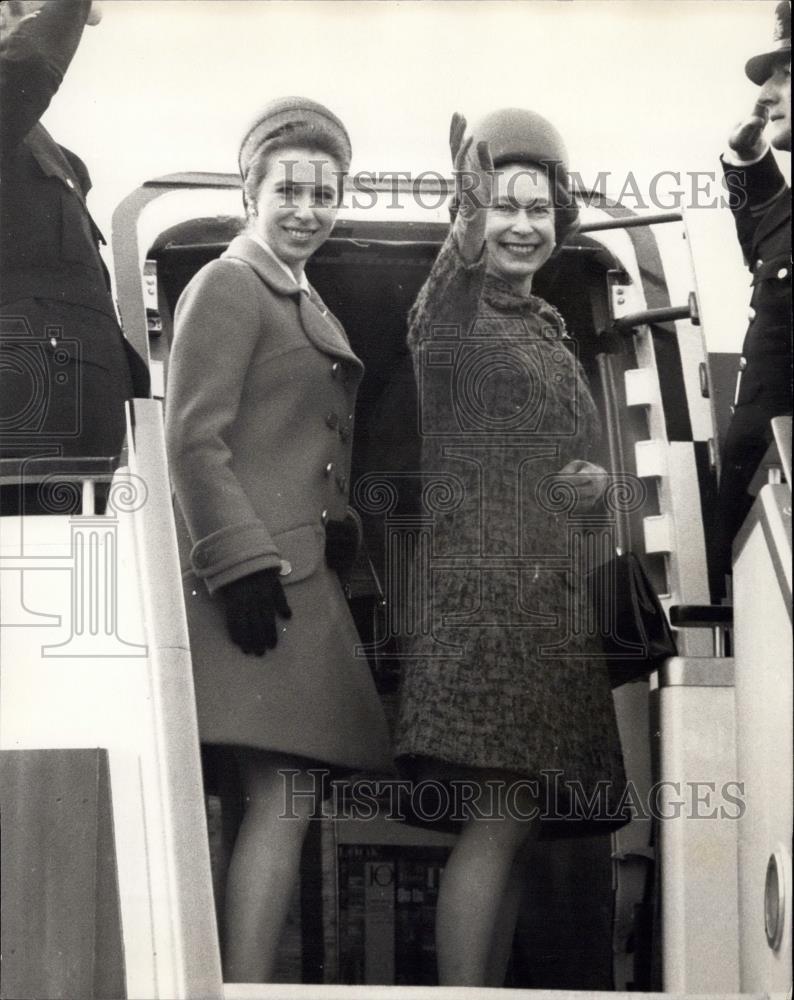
[
  {"x": 761, "y": 204},
  {"x": 496, "y": 677},
  {"x": 259, "y": 424},
  {"x": 59, "y": 324}
]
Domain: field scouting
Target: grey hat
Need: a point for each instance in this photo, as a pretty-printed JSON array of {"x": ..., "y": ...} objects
[
  {"x": 761, "y": 67},
  {"x": 520, "y": 136},
  {"x": 291, "y": 112}
]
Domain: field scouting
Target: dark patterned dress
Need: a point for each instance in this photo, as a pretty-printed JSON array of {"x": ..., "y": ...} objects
[{"x": 499, "y": 676}]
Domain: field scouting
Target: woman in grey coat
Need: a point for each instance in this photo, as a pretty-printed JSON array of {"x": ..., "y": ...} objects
[
  {"x": 261, "y": 396},
  {"x": 505, "y": 705}
]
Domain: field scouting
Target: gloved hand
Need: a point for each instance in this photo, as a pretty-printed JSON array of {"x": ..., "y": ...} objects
[
  {"x": 95, "y": 14},
  {"x": 473, "y": 188},
  {"x": 341, "y": 545},
  {"x": 588, "y": 479},
  {"x": 251, "y": 605},
  {"x": 747, "y": 139}
]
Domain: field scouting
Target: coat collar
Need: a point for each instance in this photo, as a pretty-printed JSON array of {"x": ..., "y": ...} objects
[
  {"x": 321, "y": 326},
  {"x": 259, "y": 260}
]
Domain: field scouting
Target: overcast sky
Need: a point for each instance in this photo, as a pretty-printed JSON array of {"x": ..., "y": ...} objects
[{"x": 633, "y": 85}]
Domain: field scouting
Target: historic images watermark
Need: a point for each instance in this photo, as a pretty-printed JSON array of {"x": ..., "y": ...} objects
[
  {"x": 663, "y": 191},
  {"x": 548, "y": 797},
  {"x": 41, "y": 415},
  {"x": 483, "y": 403}
]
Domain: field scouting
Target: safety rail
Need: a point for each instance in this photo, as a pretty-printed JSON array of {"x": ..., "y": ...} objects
[
  {"x": 630, "y": 222},
  {"x": 95, "y": 653},
  {"x": 646, "y": 317}
]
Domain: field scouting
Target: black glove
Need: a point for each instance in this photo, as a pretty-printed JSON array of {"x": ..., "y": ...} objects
[
  {"x": 251, "y": 604},
  {"x": 474, "y": 179},
  {"x": 341, "y": 545}
]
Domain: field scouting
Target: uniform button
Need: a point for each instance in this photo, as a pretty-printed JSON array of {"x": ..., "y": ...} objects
[
  {"x": 335, "y": 369},
  {"x": 285, "y": 567},
  {"x": 329, "y": 468},
  {"x": 751, "y": 314},
  {"x": 782, "y": 273},
  {"x": 324, "y": 516},
  {"x": 759, "y": 264},
  {"x": 70, "y": 182},
  {"x": 742, "y": 364},
  {"x": 341, "y": 483},
  {"x": 332, "y": 420}
]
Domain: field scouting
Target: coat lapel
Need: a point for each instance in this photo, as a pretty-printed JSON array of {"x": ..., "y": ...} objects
[{"x": 320, "y": 326}]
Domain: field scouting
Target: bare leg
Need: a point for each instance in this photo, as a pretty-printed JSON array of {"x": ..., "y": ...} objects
[
  {"x": 263, "y": 871},
  {"x": 231, "y": 813},
  {"x": 505, "y": 927},
  {"x": 474, "y": 896}
]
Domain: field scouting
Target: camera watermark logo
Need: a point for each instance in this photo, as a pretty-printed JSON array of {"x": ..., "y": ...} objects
[
  {"x": 481, "y": 380},
  {"x": 40, "y": 386}
]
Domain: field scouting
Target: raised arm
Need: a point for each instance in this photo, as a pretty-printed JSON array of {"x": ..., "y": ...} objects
[
  {"x": 753, "y": 177},
  {"x": 450, "y": 297},
  {"x": 34, "y": 56}
]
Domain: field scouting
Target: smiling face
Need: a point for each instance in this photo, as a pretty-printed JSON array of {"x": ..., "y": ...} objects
[
  {"x": 776, "y": 98},
  {"x": 296, "y": 204},
  {"x": 519, "y": 229}
]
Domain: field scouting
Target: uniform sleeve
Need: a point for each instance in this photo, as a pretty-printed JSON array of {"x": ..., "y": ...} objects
[
  {"x": 450, "y": 297},
  {"x": 217, "y": 328},
  {"x": 33, "y": 60},
  {"x": 753, "y": 189}
]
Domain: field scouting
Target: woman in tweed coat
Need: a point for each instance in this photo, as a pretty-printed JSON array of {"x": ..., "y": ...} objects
[
  {"x": 502, "y": 701},
  {"x": 261, "y": 394}
]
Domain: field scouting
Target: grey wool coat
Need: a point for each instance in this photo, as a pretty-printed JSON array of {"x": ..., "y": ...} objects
[
  {"x": 499, "y": 675},
  {"x": 259, "y": 424}
]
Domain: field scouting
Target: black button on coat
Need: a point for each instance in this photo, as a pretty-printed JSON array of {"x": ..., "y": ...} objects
[
  {"x": 761, "y": 204},
  {"x": 251, "y": 387}
]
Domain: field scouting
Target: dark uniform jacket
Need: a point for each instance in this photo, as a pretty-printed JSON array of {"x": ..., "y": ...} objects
[
  {"x": 761, "y": 204},
  {"x": 67, "y": 368}
]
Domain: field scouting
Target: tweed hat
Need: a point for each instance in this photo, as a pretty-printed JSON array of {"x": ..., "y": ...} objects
[
  {"x": 761, "y": 67},
  {"x": 285, "y": 113},
  {"x": 520, "y": 136}
]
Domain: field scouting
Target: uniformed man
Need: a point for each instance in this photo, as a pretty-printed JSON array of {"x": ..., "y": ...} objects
[
  {"x": 761, "y": 205},
  {"x": 65, "y": 368}
]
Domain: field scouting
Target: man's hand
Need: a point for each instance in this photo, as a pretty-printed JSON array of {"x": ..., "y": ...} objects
[
  {"x": 95, "y": 14},
  {"x": 747, "y": 139}
]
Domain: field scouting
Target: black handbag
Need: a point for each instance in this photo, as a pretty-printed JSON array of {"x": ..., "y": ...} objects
[{"x": 630, "y": 619}]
